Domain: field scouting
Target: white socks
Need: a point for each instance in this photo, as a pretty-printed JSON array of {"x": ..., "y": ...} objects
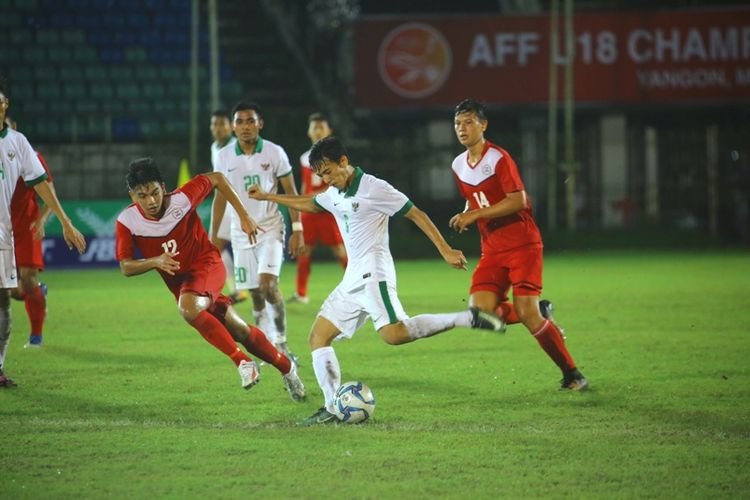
[
  {"x": 278, "y": 313},
  {"x": 427, "y": 325},
  {"x": 4, "y": 333},
  {"x": 263, "y": 322},
  {"x": 328, "y": 373}
]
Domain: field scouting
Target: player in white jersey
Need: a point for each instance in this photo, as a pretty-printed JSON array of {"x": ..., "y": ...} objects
[
  {"x": 18, "y": 160},
  {"x": 221, "y": 131},
  {"x": 362, "y": 204},
  {"x": 254, "y": 160}
]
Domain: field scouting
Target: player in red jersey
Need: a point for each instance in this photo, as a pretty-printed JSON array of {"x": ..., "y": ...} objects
[
  {"x": 497, "y": 202},
  {"x": 28, "y": 231},
  {"x": 168, "y": 232},
  {"x": 18, "y": 160},
  {"x": 316, "y": 227}
]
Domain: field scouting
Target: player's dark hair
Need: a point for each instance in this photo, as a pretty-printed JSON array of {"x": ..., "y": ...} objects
[
  {"x": 142, "y": 171},
  {"x": 317, "y": 117},
  {"x": 329, "y": 148},
  {"x": 246, "y": 106},
  {"x": 471, "y": 106},
  {"x": 221, "y": 113}
]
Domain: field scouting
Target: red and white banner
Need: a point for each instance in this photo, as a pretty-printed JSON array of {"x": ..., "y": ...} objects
[{"x": 633, "y": 57}]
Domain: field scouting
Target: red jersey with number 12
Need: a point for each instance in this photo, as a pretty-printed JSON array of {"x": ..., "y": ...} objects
[
  {"x": 486, "y": 184},
  {"x": 180, "y": 229}
]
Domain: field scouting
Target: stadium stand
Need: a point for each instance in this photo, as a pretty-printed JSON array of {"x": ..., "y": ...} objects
[{"x": 98, "y": 67}]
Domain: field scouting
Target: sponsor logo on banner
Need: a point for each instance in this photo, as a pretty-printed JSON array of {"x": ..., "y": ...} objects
[
  {"x": 100, "y": 251},
  {"x": 414, "y": 60}
]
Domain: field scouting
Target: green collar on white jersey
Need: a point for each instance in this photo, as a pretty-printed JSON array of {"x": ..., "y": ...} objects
[
  {"x": 258, "y": 147},
  {"x": 4, "y": 132},
  {"x": 352, "y": 189}
]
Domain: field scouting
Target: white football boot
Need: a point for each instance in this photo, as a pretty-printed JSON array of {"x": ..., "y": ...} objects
[
  {"x": 248, "y": 373},
  {"x": 294, "y": 385}
]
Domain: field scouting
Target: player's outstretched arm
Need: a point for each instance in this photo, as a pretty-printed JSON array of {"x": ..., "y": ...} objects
[
  {"x": 296, "y": 244},
  {"x": 452, "y": 256},
  {"x": 165, "y": 262},
  {"x": 303, "y": 203},
  {"x": 512, "y": 203},
  {"x": 226, "y": 193},
  {"x": 72, "y": 236},
  {"x": 218, "y": 207}
]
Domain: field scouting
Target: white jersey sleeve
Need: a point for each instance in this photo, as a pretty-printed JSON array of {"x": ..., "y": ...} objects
[
  {"x": 391, "y": 201},
  {"x": 323, "y": 200},
  {"x": 219, "y": 162},
  {"x": 32, "y": 170},
  {"x": 282, "y": 167},
  {"x": 214, "y": 157}
]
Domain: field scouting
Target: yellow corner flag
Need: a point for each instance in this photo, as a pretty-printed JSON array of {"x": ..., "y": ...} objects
[{"x": 184, "y": 176}]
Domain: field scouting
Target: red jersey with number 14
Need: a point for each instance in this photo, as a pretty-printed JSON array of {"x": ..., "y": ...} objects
[
  {"x": 180, "y": 229},
  {"x": 486, "y": 184}
]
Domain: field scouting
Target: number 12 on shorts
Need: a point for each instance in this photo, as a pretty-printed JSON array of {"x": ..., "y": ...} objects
[{"x": 170, "y": 246}]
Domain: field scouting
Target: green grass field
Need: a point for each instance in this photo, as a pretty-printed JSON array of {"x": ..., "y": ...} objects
[{"x": 125, "y": 399}]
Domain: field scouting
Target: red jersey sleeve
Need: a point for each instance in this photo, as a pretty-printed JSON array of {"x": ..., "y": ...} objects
[
  {"x": 197, "y": 190},
  {"x": 507, "y": 173},
  {"x": 124, "y": 243},
  {"x": 306, "y": 176},
  {"x": 44, "y": 164}
]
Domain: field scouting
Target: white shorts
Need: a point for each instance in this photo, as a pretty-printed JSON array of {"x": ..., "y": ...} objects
[
  {"x": 265, "y": 257},
  {"x": 348, "y": 310},
  {"x": 8, "y": 269},
  {"x": 225, "y": 227}
]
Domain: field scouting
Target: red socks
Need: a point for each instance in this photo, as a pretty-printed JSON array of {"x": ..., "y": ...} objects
[
  {"x": 36, "y": 306},
  {"x": 304, "y": 262},
  {"x": 550, "y": 338},
  {"x": 507, "y": 311},
  {"x": 258, "y": 344},
  {"x": 217, "y": 335}
]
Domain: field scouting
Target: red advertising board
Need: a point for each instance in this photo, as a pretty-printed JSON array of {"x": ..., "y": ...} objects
[{"x": 635, "y": 57}]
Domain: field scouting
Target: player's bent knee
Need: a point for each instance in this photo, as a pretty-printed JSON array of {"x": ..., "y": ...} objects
[
  {"x": 269, "y": 289},
  {"x": 190, "y": 306},
  {"x": 528, "y": 312},
  {"x": 484, "y": 300},
  {"x": 395, "y": 334}
]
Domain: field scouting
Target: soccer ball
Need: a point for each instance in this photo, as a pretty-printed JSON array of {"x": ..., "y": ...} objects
[{"x": 354, "y": 403}]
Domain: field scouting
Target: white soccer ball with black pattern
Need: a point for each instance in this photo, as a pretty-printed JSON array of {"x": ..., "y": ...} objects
[{"x": 354, "y": 402}]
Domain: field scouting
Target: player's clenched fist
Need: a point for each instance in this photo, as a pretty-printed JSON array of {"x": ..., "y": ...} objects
[{"x": 256, "y": 192}]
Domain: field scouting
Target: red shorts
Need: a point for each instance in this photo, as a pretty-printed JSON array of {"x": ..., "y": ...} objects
[
  {"x": 520, "y": 268},
  {"x": 28, "y": 250},
  {"x": 205, "y": 278},
  {"x": 320, "y": 227}
]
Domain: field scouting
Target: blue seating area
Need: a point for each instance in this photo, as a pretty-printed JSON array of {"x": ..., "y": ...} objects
[{"x": 96, "y": 67}]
